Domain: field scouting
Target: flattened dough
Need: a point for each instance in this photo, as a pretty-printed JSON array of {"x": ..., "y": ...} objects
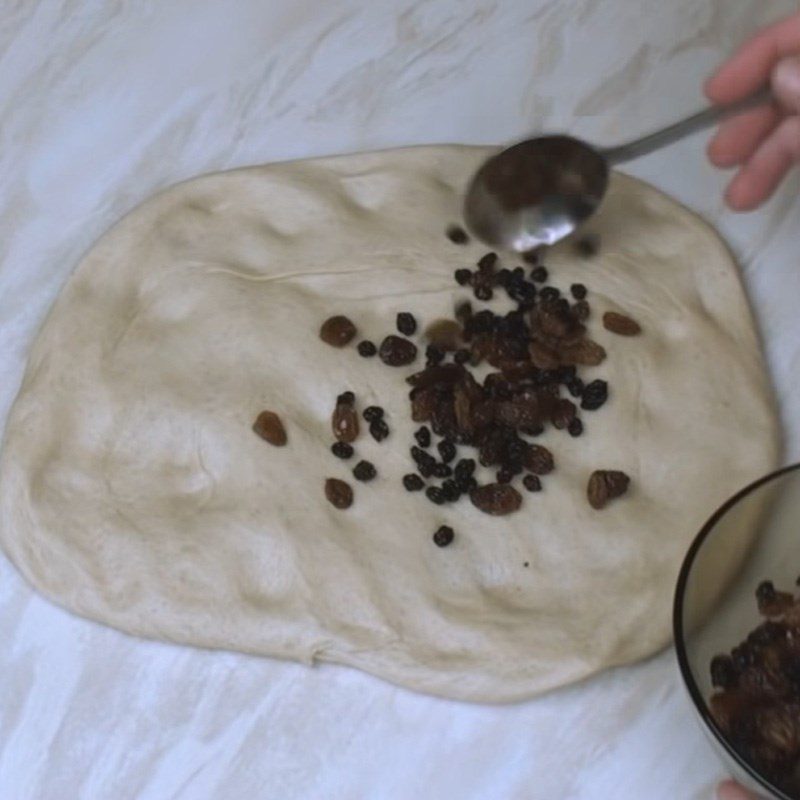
[{"x": 133, "y": 491}]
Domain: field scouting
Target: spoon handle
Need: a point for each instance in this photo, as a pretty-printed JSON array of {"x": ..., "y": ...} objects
[{"x": 697, "y": 122}]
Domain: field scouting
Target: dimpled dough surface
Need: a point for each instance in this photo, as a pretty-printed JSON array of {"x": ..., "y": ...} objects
[{"x": 134, "y": 492}]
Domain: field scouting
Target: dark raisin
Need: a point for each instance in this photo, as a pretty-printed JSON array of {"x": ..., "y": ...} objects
[
  {"x": 444, "y": 334},
  {"x": 532, "y": 256},
  {"x": 435, "y": 495},
  {"x": 456, "y": 234},
  {"x": 433, "y": 355},
  {"x": 442, "y": 471},
  {"x": 575, "y": 427},
  {"x": 581, "y": 310},
  {"x": 339, "y": 493},
  {"x": 504, "y": 475},
  {"x": 406, "y": 324},
  {"x": 371, "y": 413},
  {"x": 540, "y": 274},
  {"x": 345, "y": 399},
  {"x": 423, "y": 436},
  {"x": 549, "y": 294},
  {"x": 578, "y": 291},
  {"x": 594, "y": 395},
  {"x": 575, "y": 387},
  {"x": 765, "y": 592},
  {"x": 342, "y": 450},
  {"x": 461, "y": 356},
  {"x": 396, "y": 351},
  {"x": 502, "y": 277},
  {"x": 413, "y": 482},
  {"x": 444, "y": 536},
  {"x": 337, "y": 331},
  {"x": 466, "y": 485},
  {"x": 539, "y": 460},
  {"x": 605, "y": 485},
  {"x": 367, "y": 349},
  {"x": 463, "y": 311},
  {"x": 426, "y": 469},
  {"x": 487, "y": 262},
  {"x": 463, "y": 276},
  {"x": 532, "y": 483},
  {"x": 497, "y": 499},
  {"x": 723, "y": 672},
  {"x": 464, "y": 469},
  {"x": 483, "y": 293},
  {"x": 379, "y": 430},
  {"x": 364, "y": 471},
  {"x": 450, "y": 490},
  {"x": 447, "y": 451},
  {"x": 269, "y": 427},
  {"x": 563, "y": 413},
  {"x": 588, "y": 245}
]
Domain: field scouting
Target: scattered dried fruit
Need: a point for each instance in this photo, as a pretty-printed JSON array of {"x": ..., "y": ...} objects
[
  {"x": 588, "y": 245},
  {"x": 396, "y": 351},
  {"x": 578, "y": 291},
  {"x": 339, "y": 493},
  {"x": 538, "y": 460},
  {"x": 337, "y": 331},
  {"x": 344, "y": 421},
  {"x": 364, "y": 471},
  {"x": 620, "y": 324},
  {"x": 378, "y": 429},
  {"x": 444, "y": 334},
  {"x": 532, "y": 483},
  {"x": 406, "y": 324},
  {"x": 367, "y": 349},
  {"x": 269, "y": 427},
  {"x": 594, "y": 395},
  {"x": 413, "y": 483},
  {"x": 496, "y": 499},
  {"x": 372, "y": 413},
  {"x": 457, "y": 235},
  {"x": 342, "y": 450},
  {"x": 605, "y": 485},
  {"x": 444, "y": 536}
]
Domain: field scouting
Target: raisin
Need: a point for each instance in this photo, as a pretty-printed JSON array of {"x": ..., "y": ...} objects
[
  {"x": 463, "y": 311},
  {"x": 269, "y": 427},
  {"x": 413, "y": 483},
  {"x": 372, "y": 413},
  {"x": 364, "y": 471},
  {"x": 502, "y": 277},
  {"x": 585, "y": 352},
  {"x": 497, "y": 499},
  {"x": 423, "y": 436},
  {"x": 549, "y": 294},
  {"x": 461, "y": 356},
  {"x": 345, "y": 422},
  {"x": 587, "y": 246},
  {"x": 433, "y": 355},
  {"x": 444, "y": 335},
  {"x": 540, "y": 274},
  {"x": 379, "y": 430},
  {"x": 339, "y": 493},
  {"x": 463, "y": 276},
  {"x": 342, "y": 450},
  {"x": 563, "y": 413},
  {"x": 620, "y": 324},
  {"x": 456, "y": 234},
  {"x": 578, "y": 291},
  {"x": 464, "y": 469},
  {"x": 723, "y": 672},
  {"x": 483, "y": 293},
  {"x": 533, "y": 256},
  {"x": 447, "y": 451},
  {"x": 594, "y": 395},
  {"x": 442, "y": 471},
  {"x": 396, "y": 351},
  {"x": 605, "y": 485},
  {"x": 487, "y": 262},
  {"x": 581, "y": 310},
  {"x": 504, "y": 475},
  {"x": 575, "y": 387},
  {"x": 367, "y": 349},
  {"x": 575, "y": 427},
  {"x": 532, "y": 483},
  {"x": 444, "y": 536},
  {"x": 337, "y": 331},
  {"x": 450, "y": 490},
  {"x": 346, "y": 398},
  {"x": 765, "y": 592},
  {"x": 406, "y": 324},
  {"x": 435, "y": 495},
  {"x": 538, "y": 460}
]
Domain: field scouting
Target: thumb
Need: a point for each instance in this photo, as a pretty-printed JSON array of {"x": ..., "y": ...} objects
[{"x": 786, "y": 83}]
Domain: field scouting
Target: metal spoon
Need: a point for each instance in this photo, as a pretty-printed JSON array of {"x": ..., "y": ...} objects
[{"x": 538, "y": 191}]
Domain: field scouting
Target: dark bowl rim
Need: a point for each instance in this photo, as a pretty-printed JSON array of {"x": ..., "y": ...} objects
[{"x": 677, "y": 625}]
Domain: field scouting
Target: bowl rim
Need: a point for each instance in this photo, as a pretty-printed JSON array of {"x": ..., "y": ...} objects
[{"x": 678, "y": 634}]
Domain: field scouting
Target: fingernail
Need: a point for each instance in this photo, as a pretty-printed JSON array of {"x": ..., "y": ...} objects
[{"x": 786, "y": 82}]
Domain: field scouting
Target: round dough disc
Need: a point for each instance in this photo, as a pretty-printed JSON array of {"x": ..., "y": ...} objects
[{"x": 133, "y": 490}]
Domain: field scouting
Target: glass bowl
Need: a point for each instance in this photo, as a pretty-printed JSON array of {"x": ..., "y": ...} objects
[{"x": 753, "y": 537}]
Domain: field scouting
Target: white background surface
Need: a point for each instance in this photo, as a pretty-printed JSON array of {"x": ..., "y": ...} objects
[{"x": 103, "y": 103}]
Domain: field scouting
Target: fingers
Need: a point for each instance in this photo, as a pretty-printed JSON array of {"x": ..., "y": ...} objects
[
  {"x": 738, "y": 138},
  {"x": 728, "y": 790},
  {"x": 760, "y": 176},
  {"x": 786, "y": 83},
  {"x": 750, "y": 67}
]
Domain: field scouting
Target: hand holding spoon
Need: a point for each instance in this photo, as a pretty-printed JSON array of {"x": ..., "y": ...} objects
[{"x": 538, "y": 191}]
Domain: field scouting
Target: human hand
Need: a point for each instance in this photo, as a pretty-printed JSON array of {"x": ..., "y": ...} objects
[
  {"x": 765, "y": 142},
  {"x": 728, "y": 790}
]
